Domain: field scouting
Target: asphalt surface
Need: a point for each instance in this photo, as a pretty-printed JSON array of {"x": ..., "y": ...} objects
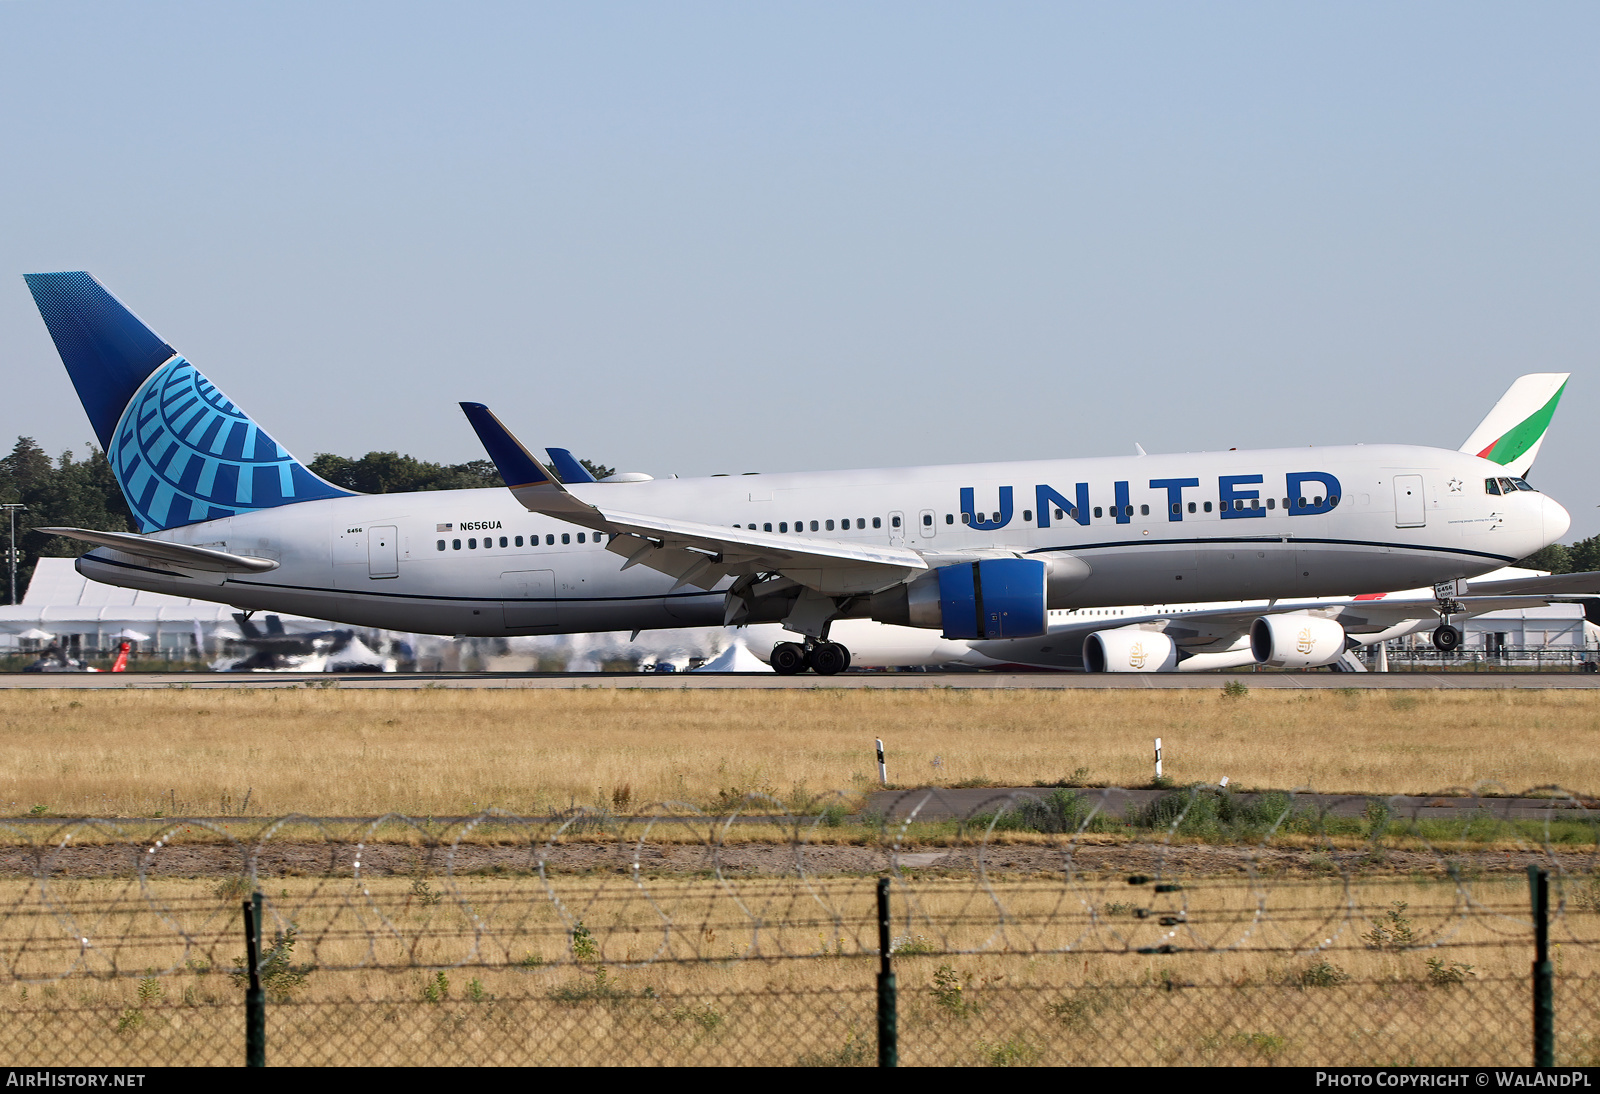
[
  {"x": 947, "y": 804},
  {"x": 883, "y": 681}
]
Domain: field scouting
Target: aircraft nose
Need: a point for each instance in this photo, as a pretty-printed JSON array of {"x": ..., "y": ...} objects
[{"x": 1556, "y": 519}]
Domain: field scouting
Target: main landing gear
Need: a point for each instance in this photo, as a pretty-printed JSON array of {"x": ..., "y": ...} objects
[
  {"x": 822, "y": 658},
  {"x": 1446, "y": 639}
]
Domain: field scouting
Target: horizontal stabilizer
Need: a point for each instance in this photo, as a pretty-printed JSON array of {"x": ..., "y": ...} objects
[{"x": 178, "y": 554}]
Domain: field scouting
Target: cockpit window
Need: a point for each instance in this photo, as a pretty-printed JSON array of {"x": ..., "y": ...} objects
[
  {"x": 1520, "y": 485},
  {"x": 1491, "y": 486},
  {"x": 1507, "y": 486}
]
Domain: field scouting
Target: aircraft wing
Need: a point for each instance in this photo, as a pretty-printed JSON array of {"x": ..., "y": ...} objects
[
  {"x": 694, "y": 553},
  {"x": 177, "y": 554},
  {"x": 1220, "y": 628},
  {"x": 1580, "y": 584}
]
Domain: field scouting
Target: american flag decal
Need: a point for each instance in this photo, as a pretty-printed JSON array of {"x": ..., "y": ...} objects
[{"x": 445, "y": 528}]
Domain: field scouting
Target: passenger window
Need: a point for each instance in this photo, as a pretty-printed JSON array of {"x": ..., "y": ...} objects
[
  {"x": 566, "y": 537},
  {"x": 1059, "y": 514},
  {"x": 877, "y": 522},
  {"x": 1144, "y": 510},
  {"x": 1286, "y": 503},
  {"x": 1073, "y": 512},
  {"x": 1272, "y": 503},
  {"x": 1491, "y": 486},
  {"x": 1302, "y": 503},
  {"x": 783, "y": 526},
  {"x": 581, "y": 539},
  {"x": 455, "y": 545},
  {"x": 1191, "y": 507},
  {"x": 1255, "y": 503},
  {"x": 1097, "y": 510},
  {"x": 813, "y": 526},
  {"x": 1208, "y": 507},
  {"x": 894, "y": 522},
  {"x": 861, "y": 523},
  {"x": 549, "y": 541},
  {"x": 966, "y": 518},
  {"x": 472, "y": 545},
  {"x": 1027, "y": 514},
  {"x": 1333, "y": 499},
  {"x": 1317, "y": 501},
  {"x": 441, "y": 545},
  {"x": 829, "y": 525},
  {"x": 1177, "y": 509},
  {"x": 503, "y": 541},
  {"x": 766, "y": 527},
  {"x": 519, "y": 541}
]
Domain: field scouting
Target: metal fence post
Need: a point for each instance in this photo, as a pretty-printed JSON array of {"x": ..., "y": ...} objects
[
  {"x": 888, "y": 1031},
  {"x": 255, "y": 1000},
  {"x": 1544, "y": 975}
]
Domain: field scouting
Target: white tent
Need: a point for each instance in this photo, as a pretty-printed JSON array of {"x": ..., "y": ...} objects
[{"x": 736, "y": 658}]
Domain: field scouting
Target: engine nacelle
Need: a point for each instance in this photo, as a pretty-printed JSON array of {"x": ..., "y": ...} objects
[
  {"x": 990, "y": 598},
  {"x": 1129, "y": 649},
  {"x": 1296, "y": 641}
]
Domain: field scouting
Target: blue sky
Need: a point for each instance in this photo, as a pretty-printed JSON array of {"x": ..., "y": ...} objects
[{"x": 731, "y": 237}]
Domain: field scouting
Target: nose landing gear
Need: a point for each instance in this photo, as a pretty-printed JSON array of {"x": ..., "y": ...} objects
[
  {"x": 822, "y": 658},
  {"x": 1446, "y": 638}
]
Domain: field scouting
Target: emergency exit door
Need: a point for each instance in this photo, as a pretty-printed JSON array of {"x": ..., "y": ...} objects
[
  {"x": 1410, "y": 505},
  {"x": 383, "y": 552}
]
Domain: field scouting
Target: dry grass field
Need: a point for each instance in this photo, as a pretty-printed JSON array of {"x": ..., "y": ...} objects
[
  {"x": 1389, "y": 971},
  {"x": 437, "y": 752}
]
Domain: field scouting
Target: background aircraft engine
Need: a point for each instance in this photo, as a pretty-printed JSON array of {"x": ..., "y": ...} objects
[
  {"x": 1296, "y": 641},
  {"x": 1129, "y": 649},
  {"x": 990, "y": 598}
]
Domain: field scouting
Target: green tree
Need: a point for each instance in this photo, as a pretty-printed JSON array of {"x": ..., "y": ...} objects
[
  {"x": 1584, "y": 555},
  {"x": 1556, "y": 558},
  {"x": 67, "y": 493}
]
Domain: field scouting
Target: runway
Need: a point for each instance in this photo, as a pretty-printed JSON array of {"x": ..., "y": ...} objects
[{"x": 760, "y": 681}]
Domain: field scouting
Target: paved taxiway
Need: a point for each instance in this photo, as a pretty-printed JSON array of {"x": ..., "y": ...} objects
[{"x": 1470, "y": 681}]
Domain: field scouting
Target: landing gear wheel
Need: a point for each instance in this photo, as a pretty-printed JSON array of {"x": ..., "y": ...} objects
[
  {"x": 1447, "y": 639},
  {"x": 788, "y": 658},
  {"x": 829, "y": 658}
]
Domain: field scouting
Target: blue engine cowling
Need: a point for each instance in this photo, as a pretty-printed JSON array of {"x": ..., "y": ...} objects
[{"x": 993, "y": 598}]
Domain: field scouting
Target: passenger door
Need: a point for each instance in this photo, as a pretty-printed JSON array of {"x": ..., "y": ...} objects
[
  {"x": 1410, "y": 505},
  {"x": 528, "y": 598}
]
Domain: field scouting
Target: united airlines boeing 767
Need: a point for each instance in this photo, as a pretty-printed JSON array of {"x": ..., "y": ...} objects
[{"x": 975, "y": 551}]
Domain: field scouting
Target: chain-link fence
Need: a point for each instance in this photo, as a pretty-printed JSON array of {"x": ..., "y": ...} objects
[{"x": 1199, "y": 927}]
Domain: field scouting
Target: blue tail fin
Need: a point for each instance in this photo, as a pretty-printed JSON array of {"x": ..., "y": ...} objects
[
  {"x": 181, "y": 452},
  {"x": 570, "y": 470}
]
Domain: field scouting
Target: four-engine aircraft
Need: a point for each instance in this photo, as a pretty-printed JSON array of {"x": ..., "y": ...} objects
[
  {"x": 1288, "y": 634},
  {"x": 976, "y": 551}
]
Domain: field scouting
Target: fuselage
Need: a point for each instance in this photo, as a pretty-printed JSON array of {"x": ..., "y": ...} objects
[{"x": 1151, "y": 529}]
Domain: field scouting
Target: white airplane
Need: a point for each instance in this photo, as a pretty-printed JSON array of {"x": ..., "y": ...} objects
[
  {"x": 1291, "y": 634},
  {"x": 974, "y": 551}
]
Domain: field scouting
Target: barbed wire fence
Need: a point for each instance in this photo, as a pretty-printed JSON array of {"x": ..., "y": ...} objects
[{"x": 1060, "y": 926}]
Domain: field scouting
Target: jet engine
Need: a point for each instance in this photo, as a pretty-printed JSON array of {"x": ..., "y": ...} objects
[
  {"x": 1296, "y": 641},
  {"x": 1129, "y": 649},
  {"x": 989, "y": 598}
]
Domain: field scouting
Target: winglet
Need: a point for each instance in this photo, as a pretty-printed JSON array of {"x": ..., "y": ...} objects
[
  {"x": 517, "y": 466},
  {"x": 531, "y": 482},
  {"x": 1515, "y": 428},
  {"x": 568, "y": 468}
]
